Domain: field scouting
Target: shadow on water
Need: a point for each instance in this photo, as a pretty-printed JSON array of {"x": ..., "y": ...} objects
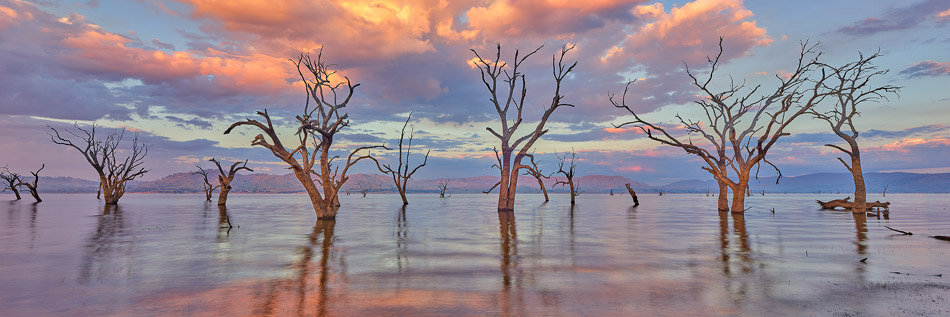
[{"x": 278, "y": 290}]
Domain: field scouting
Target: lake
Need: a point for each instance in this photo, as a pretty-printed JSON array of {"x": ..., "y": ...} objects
[{"x": 673, "y": 255}]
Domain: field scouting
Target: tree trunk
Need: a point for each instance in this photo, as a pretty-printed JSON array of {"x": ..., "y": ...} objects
[
  {"x": 633, "y": 195},
  {"x": 506, "y": 190},
  {"x": 15, "y": 192},
  {"x": 860, "y": 192},
  {"x": 738, "y": 194},
  {"x": 99, "y": 192},
  {"x": 402, "y": 194},
  {"x": 108, "y": 191},
  {"x": 723, "y": 197},
  {"x": 208, "y": 192},
  {"x": 571, "y": 183},
  {"x": 543, "y": 190},
  {"x": 36, "y": 195},
  {"x": 223, "y": 194}
]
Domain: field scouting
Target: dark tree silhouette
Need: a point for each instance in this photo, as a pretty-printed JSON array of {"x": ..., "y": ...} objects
[
  {"x": 11, "y": 180},
  {"x": 567, "y": 167},
  {"x": 401, "y": 174},
  {"x": 101, "y": 155},
  {"x": 443, "y": 186},
  {"x": 512, "y": 99},
  {"x": 323, "y": 116},
  {"x": 224, "y": 179},
  {"x": 208, "y": 188},
  {"x": 741, "y": 125},
  {"x": 851, "y": 86},
  {"x": 32, "y": 186}
]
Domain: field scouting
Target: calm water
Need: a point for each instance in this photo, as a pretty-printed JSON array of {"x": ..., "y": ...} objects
[{"x": 672, "y": 255}]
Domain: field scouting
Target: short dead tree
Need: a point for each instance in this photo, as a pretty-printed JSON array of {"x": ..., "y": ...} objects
[
  {"x": 401, "y": 174},
  {"x": 534, "y": 171},
  {"x": 224, "y": 179},
  {"x": 101, "y": 153},
  {"x": 32, "y": 186},
  {"x": 508, "y": 99},
  {"x": 443, "y": 186},
  {"x": 11, "y": 181},
  {"x": 362, "y": 190},
  {"x": 850, "y": 87},
  {"x": 207, "y": 187},
  {"x": 567, "y": 167},
  {"x": 317, "y": 127}
]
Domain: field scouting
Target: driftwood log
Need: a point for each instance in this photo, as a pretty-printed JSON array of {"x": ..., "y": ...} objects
[{"x": 847, "y": 204}]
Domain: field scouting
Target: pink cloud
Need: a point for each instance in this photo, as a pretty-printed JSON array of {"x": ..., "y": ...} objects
[
  {"x": 509, "y": 18},
  {"x": 908, "y": 145}
]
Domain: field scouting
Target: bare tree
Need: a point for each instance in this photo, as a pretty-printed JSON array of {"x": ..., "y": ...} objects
[
  {"x": 741, "y": 125},
  {"x": 508, "y": 100},
  {"x": 32, "y": 186},
  {"x": 534, "y": 171},
  {"x": 101, "y": 155},
  {"x": 12, "y": 181},
  {"x": 323, "y": 116},
  {"x": 402, "y": 174},
  {"x": 362, "y": 190},
  {"x": 224, "y": 179},
  {"x": 568, "y": 172},
  {"x": 443, "y": 186},
  {"x": 208, "y": 188},
  {"x": 851, "y": 86}
]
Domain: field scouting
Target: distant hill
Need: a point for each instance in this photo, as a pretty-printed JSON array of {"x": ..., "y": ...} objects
[{"x": 269, "y": 183}]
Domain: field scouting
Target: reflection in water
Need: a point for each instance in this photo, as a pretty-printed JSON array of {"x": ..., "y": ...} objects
[
  {"x": 322, "y": 232},
  {"x": 224, "y": 223},
  {"x": 402, "y": 240},
  {"x": 861, "y": 230},
  {"x": 511, "y": 274},
  {"x": 738, "y": 256},
  {"x": 108, "y": 236}
]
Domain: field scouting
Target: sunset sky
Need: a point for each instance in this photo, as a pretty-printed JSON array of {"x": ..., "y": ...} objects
[{"x": 179, "y": 72}]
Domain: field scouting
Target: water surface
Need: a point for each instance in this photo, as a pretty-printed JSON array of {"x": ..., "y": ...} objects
[{"x": 672, "y": 255}]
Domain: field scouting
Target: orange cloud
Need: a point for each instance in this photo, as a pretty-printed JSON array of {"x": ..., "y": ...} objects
[
  {"x": 10, "y": 16},
  {"x": 903, "y": 145},
  {"x": 545, "y": 17},
  {"x": 629, "y": 129}
]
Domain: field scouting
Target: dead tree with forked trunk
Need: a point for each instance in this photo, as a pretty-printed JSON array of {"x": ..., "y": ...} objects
[
  {"x": 534, "y": 171},
  {"x": 851, "y": 86},
  {"x": 11, "y": 180},
  {"x": 443, "y": 186},
  {"x": 506, "y": 98},
  {"x": 224, "y": 179},
  {"x": 208, "y": 188},
  {"x": 32, "y": 186},
  {"x": 568, "y": 172},
  {"x": 323, "y": 116},
  {"x": 113, "y": 172},
  {"x": 741, "y": 125},
  {"x": 402, "y": 174}
]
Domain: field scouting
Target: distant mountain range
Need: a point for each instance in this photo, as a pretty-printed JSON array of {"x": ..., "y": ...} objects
[{"x": 268, "y": 183}]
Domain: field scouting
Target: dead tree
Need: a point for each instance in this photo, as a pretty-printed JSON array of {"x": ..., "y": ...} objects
[
  {"x": 113, "y": 172},
  {"x": 884, "y": 193},
  {"x": 362, "y": 190},
  {"x": 444, "y": 185},
  {"x": 402, "y": 174},
  {"x": 32, "y": 186},
  {"x": 568, "y": 172},
  {"x": 847, "y": 204},
  {"x": 11, "y": 180},
  {"x": 208, "y": 188},
  {"x": 323, "y": 116},
  {"x": 633, "y": 194},
  {"x": 741, "y": 125},
  {"x": 535, "y": 171},
  {"x": 512, "y": 99},
  {"x": 224, "y": 179},
  {"x": 850, "y": 85}
]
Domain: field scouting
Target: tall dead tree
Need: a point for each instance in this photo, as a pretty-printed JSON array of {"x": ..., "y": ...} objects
[
  {"x": 11, "y": 180},
  {"x": 506, "y": 97},
  {"x": 741, "y": 125},
  {"x": 534, "y": 171},
  {"x": 568, "y": 172},
  {"x": 32, "y": 186},
  {"x": 207, "y": 187},
  {"x": 323, "y": 116},
  {"x": 402, "y": 174},
  {"x": 224, "y": 179},
  {"x": 851, "y": 86},
  {"x": 101, "y": 153}
]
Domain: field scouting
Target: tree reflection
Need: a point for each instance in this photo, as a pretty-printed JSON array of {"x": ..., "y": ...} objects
[
  {"x": 303, "y": 268},
  {"x": 510, "y": 269},
  {"x": 402, "y": 240},
  {"x": 736, "y": 254},
  {"x": 224, "y": 223},
  {"x": 110, "y": 227},
  {"x": 861, "y": 232}
]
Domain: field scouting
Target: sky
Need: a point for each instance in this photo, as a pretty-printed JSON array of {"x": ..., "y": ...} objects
[{"x": 178, "y": 73}]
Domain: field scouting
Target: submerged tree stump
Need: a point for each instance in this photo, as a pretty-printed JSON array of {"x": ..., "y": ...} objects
[
  {"x": 633, "y": 195},
  {"x": 847, "y": 204}
]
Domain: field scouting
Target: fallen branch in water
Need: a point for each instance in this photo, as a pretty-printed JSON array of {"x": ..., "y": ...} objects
[
  {"x": 943, "y": 238},
  {"x": 904, "y": 232}
]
